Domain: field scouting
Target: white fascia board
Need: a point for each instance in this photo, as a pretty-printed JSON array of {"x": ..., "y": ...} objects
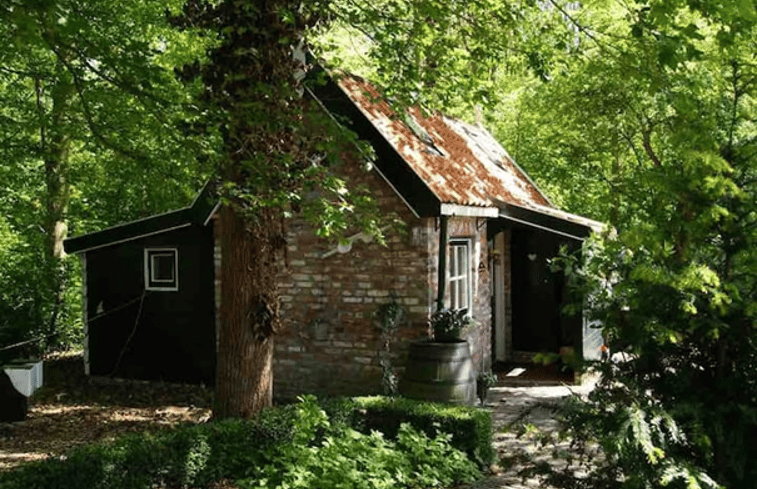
[
  {"x": 543, "y": 228},
  {"x": 212, "y": 213},
  {"x": 132, "y": 238},
  {"x": 468, "y": 210}
]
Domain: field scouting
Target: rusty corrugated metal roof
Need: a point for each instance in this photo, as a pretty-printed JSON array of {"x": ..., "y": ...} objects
[{"x": 460, "y": 163}]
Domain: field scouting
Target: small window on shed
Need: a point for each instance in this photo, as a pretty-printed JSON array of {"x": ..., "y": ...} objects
[{"x": 161, "y": 269}]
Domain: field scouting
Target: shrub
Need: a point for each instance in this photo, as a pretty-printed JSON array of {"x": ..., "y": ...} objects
[
  {"x": 190, "y": 455},
  {"x": 470, "y": 428},
  {"x": 417, "y": 445},
  {"x": 323, "y": 454}
]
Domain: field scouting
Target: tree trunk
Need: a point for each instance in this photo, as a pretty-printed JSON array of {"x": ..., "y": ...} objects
[
  {"x": 248, "y": 313},
  {"x": 56, "y": 148}
]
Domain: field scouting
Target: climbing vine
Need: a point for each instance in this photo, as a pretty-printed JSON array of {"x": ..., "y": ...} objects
[{"x": 389, "y": 316}]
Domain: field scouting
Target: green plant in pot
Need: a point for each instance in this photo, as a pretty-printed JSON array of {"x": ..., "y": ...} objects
[
  {"x": 485, "y": 380},
  {"x": 448, "y": 326}
]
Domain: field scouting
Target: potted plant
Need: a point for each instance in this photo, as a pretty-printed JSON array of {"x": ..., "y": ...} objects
[
  {"x": 448, "y": 326},
  {"x": 484, "y": 381}
]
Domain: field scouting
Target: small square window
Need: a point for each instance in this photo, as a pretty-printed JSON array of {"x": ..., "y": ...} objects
[{"x": 161, "y": 268}]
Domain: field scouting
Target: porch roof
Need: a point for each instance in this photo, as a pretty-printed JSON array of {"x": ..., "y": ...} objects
[{"x": 550, "y": 219}]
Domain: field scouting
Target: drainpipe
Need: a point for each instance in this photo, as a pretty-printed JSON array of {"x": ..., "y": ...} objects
[{"x": 442, "y": 278}]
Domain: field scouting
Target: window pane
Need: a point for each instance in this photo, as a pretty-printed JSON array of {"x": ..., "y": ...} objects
[
  {"x": 459, "y": 275},
  {"x": 163, "y": 267}
]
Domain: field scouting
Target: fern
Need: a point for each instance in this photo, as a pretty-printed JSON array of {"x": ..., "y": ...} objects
[
  {"x": 692, "y": 477},
  {"x": 642, "y": 435}
]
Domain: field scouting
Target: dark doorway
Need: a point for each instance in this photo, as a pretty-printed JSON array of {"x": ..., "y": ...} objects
[{"x": 538, "y": 294}]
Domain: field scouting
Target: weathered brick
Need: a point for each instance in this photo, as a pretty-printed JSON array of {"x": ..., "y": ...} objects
[
  {"x": 378, "y": 293},
  {"x": 345, "y": 291}
]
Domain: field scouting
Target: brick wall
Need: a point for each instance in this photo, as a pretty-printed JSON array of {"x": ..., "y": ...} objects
[{"x": 331, "y": 338}]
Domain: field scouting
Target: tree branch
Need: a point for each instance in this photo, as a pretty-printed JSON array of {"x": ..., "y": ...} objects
[
  {"x": 645, "y": 142},
  {"x": 41, "y": 115},
  {"x": 21, "y": 73}
]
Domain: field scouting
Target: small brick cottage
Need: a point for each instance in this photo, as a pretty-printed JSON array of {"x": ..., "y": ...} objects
[{"x": 151, "y": 288}]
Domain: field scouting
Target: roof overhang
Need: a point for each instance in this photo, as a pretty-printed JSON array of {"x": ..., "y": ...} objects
[
  {"x": 199, "y": 212},
  {"x": 552, "y": 220},
  {"x": 389, "y": 163}
]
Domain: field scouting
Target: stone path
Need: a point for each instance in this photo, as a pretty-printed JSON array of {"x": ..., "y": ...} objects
[{"x": 513, "y": 407}]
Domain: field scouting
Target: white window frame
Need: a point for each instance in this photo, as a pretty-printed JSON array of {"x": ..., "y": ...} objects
[
  {"x": 151, "y": 283},
  {"x": 460, "y": 274}
]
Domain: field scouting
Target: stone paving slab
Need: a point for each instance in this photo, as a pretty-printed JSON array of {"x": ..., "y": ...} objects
[{"x": 515, "y": 406}]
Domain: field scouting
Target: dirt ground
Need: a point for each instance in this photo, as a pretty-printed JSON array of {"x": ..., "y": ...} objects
[{"x": 70, "y": 410}]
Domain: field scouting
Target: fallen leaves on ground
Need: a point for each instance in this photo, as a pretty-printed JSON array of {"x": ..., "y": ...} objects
[{"x": 72, "y": 410}]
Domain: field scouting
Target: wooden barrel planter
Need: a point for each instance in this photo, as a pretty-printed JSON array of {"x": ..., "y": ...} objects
[{"x": 439, "y": 372}]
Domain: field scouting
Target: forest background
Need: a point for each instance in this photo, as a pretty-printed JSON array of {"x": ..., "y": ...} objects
[{"x": 636, "y": 113}]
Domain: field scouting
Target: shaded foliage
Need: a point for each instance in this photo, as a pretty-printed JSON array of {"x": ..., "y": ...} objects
[
  {"x": 89, "y": 124},
  {"x": 659, "y": 109},
  {"x": 291, "y": 446}
]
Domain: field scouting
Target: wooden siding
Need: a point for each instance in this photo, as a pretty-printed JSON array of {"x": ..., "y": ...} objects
[{"x": 152, "y": 335}]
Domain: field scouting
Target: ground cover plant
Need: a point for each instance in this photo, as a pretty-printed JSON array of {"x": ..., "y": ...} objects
[
  {"x": 470, "y": 429},
  {"x": 336, "y": 455},
  {"x": 294, "y": 446},
  {"x": 158, "y": 435}
]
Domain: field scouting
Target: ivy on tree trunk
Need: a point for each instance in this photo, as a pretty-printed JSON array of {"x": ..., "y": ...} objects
[
  {"x": 249, "y": 311},
  {"x": 271, "y": 157}
]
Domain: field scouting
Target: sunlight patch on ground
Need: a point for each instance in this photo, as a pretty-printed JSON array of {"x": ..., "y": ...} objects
[{"x": 515, "y": 372}]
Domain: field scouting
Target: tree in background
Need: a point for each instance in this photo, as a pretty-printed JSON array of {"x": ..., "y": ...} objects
[
  {"x": 89, "y": 112},
  {"x": 653, "y": 109}
]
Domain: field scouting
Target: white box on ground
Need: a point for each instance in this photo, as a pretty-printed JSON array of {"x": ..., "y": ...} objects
[{"x": 26, "y": 376}]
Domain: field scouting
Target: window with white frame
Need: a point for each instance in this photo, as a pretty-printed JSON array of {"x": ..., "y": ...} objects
[
  {"x": 161, "y": 269},
  {"x": 459, "y": 274}
]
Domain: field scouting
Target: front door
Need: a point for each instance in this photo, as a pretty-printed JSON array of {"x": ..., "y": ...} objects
[{"x": 536, "y": 292}]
